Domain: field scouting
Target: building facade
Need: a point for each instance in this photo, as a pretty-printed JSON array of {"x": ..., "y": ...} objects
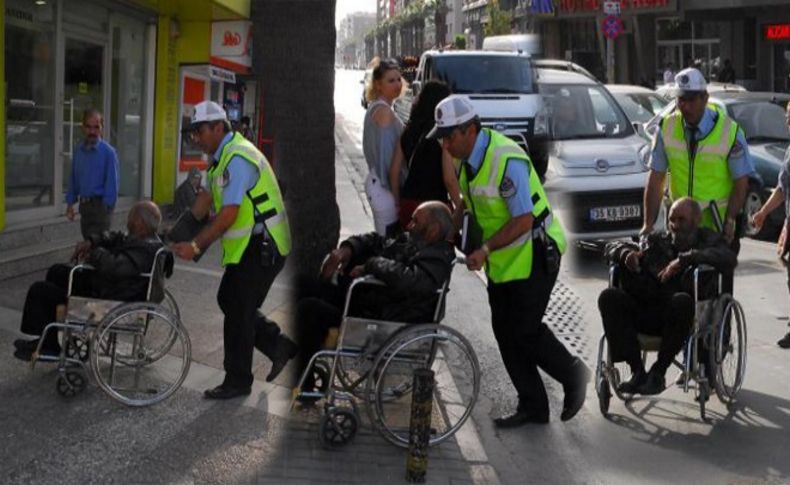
[{"x": 143, "y": 63}]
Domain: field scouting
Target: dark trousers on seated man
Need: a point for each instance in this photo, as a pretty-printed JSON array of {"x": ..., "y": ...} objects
[{"x": 624, "y": 317}]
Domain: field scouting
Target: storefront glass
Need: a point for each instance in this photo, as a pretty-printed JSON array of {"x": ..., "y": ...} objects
[
  {"x": 781, "y": 82},
  {"x": 29, "y": 71},
  {"x": 688, "y": 44}
]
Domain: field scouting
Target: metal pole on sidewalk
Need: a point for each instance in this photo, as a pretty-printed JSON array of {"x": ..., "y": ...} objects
[{"x": 420, "y": 426}]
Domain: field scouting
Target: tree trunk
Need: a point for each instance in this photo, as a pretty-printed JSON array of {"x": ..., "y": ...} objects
[{"x": 293, "y": 56}]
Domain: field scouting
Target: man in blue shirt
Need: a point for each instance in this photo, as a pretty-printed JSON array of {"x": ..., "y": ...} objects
[{"x": 93, "y": 182}]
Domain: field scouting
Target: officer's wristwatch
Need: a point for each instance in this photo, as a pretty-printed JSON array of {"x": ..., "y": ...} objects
[{"x": 195, "y": 247}]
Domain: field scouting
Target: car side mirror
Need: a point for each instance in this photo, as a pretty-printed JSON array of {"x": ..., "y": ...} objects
[
  {"x": 639, "y": 128},
  {"x": 415, "y": 87}
]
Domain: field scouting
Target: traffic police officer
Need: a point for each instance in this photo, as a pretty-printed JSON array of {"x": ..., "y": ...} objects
[
  {"x": 706, "y": 152},
  {"x": 521, "y": 249},
  {"x": 251, "y": 222}
]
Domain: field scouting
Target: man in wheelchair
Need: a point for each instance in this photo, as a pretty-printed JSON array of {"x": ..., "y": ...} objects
[
  {"x": 413, "y": 267},
  {"x": 117, "y": 259},
  {"x": 655, "y": 292}
]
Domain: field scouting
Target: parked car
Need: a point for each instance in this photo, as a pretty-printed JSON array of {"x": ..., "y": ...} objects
[
  {"x": 667, "y": 90},
  {"x": 500, "y": 86},
  {"x": 761, "y": 116},
  {"x": 639, "y": 103},
  {"x": 597, "y": 163},
  {"x": 561, "y": 65}
]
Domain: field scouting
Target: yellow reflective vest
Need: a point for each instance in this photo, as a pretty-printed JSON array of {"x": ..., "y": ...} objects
[
  {"x": 482, "y": 193},
  {"x": 263, "y": 203},
  {"x": 707, "y": 176}
]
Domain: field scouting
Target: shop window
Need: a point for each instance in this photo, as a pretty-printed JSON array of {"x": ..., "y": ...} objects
[{"x": 673, "y": 29}]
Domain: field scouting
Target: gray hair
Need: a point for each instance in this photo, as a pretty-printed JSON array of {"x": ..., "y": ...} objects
[
  {"x": 441, "y": 216},
  {"x": 149, "y": 215}
]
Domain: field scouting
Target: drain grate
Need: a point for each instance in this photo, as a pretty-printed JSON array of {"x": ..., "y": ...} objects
[{"x": 565, "y": 317}]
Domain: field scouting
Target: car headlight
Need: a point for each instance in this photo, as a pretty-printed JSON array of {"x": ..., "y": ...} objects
[
  {"x": 644, "y": 156},
  {"x": 541, "y": 123}
]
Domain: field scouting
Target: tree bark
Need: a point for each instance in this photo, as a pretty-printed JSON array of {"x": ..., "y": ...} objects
[{"x": 293, "y": 57}]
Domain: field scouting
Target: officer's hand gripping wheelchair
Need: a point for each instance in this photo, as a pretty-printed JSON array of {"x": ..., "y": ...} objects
[{"x": 137, "y": 352}]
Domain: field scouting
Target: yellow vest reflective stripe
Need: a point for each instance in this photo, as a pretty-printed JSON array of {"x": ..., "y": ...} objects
[
  {"x": 514, "y": 261},
  {"x": 707, "y": 178},
  {"x": 264, "y": 199}
]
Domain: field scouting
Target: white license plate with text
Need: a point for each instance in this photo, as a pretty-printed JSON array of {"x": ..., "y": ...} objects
[{"x": 616, "y": 213}]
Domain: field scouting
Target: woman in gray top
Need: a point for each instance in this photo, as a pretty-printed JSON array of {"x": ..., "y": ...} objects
[
  {"x": 780, "y": 194},
  {"x": 380, "y": 135}
]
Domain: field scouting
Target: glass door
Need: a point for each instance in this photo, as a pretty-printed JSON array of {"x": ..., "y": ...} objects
[{"x": 83, "y": 88}]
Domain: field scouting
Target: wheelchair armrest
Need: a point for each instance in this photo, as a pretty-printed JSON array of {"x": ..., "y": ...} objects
[
  {"x": 74, "y": 270},
  {"x": 362, "y": 280}
]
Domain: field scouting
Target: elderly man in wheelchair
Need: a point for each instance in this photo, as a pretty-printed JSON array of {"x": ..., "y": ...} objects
[
  {"x": 117, "y": 259},
  {"x": 657, "y": 294},
  {"x": 413, "y": 266}
]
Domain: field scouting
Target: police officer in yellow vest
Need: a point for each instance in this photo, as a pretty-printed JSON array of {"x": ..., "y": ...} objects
[
  {"x": 250, "y": 220},
  {"x": 707, "y": 156},
  {"x": 520, "y": 249}
]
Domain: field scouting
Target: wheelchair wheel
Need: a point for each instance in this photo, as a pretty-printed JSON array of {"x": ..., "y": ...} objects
[
  {"x": 156, "y": 352},
  {"x": 727, "y": 358},
  {"x": 456, "y": 381},
  {"x": 122, "y": 349},
  {"x": 338, "y": 427},
  {"x": 352, "y": 373},
  {"x": 602, "y": 389},
  {"x": 71, "y": 383}
]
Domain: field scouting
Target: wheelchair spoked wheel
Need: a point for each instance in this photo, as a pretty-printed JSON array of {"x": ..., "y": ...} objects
[
  {"x": 727, "y": 358},
  {"x": 121, "y": 354},
  {"x": 456, "y": 381},
  {"x": 71, "y": 383},
  {"x": 156, "y": 352},
  {"x": 338, "y": 427},
  {"x": 352, "y": 374}
]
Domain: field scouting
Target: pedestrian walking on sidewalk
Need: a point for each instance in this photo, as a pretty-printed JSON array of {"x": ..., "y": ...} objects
[
  {"x": 380, "y": 134},
  {"x": 521, "y": 248},
  {"x": 421, "y": 170},
  {"x": 251, "y": 222},
  {"x": 780, "y": 194},
  {"x": 94, "y": 178}
]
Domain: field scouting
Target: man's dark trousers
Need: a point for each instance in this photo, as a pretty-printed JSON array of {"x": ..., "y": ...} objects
[
  {"x": 94, "y": 216},
  {"x": 525, "y": 342},
  {"x": 242, "y": 290}
]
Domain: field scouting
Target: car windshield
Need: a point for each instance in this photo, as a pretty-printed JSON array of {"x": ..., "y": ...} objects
[
  {"x": 485, "y": 74},
  {"x": 761, "y": 120},
  {"x": 578, "y": 111},
  {"x": 640, "y": 107}
]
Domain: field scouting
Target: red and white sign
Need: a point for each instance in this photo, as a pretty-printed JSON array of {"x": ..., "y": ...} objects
[
  {"x": 612, "y": 27},
  {"x": 611, "y": 8},
  {"x": 231, "y": 45},
  {"x": 777, "y": 32}
]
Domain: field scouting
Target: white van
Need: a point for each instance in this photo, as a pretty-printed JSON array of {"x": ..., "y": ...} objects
[{"x": 522, "y": 43}]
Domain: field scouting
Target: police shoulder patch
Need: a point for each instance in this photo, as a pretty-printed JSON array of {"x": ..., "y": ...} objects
[
  {"x": 737, "y": 149},
  {"x": 224, "y": 179},
  {"x": 507, "y": 188}
]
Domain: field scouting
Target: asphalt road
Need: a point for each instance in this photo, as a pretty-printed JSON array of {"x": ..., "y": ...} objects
[{"x": 649, "y": 440}]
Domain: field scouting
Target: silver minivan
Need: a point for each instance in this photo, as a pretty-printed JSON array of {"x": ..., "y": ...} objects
[{"x": 597, "y": 163}]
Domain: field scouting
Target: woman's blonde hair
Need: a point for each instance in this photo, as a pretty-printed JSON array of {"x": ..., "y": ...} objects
[{"x": 380, "y": 67}]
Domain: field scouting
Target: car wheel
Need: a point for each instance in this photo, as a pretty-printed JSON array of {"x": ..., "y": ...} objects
[{"x": 751, "y": 205}]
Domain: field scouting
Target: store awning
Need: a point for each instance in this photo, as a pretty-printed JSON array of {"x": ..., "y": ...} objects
[{"x": 194, "y": 10}]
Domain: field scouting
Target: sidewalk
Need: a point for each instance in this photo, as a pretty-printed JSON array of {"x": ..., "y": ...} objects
[{"x": 187, "y": 439}]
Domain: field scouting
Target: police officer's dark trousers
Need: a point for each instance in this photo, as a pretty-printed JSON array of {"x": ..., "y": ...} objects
[
  {"x": 525, "y": 342},
  {"x": 242, "y": 290}
]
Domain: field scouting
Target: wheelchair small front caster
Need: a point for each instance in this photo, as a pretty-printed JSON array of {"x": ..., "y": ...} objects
[
  {"x": 70, "y": 384},
  {"x": 338, "y": 427},
  {"x": 604, "y": 396}
]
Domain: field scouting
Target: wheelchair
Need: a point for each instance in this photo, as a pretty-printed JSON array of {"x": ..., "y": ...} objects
[
  {"x": 714, "y": 355},
  {"x": 373, "y": 363},
  {"x": 138, "y": 353}
]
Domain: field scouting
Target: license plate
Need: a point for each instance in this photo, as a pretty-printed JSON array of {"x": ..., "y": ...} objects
[{"x": 616, "y": 213}]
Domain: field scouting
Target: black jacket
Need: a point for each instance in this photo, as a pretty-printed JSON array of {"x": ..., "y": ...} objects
[
  {"x": 709, "y": 248},
  {"x": 411, "y": 270},
  {"x": 119, "y": 259}
]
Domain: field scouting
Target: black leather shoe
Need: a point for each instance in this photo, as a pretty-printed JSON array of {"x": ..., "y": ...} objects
[
  {"x": 285, "y": 351},
  {"x": 631, "y": 386},
  {"x": 784, "y": 342},
  {"x": 226, "y": 392},
  {"x": 520, "y": 418},
  {"x": 654, "y": 384},
  {"x": 574, "y": 397},
  {"x": 24, "y": 354},
  {"x": 22, "y": 344}
]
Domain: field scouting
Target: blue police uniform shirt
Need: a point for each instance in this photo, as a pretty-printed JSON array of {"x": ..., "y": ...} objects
[
  {"x": 241, "y": 176},
  {"x": 515, "y": 184},
  {"x": 739, "y": 159},
  {"x": 94, "y": 173}
]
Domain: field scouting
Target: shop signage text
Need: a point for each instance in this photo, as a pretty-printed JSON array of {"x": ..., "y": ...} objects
[
  {"x": 777, "y": 32},
  {"x": 596, "y": 5},
  {"x": 231, "y": 45},
  {"x": 221, "y": 74}
]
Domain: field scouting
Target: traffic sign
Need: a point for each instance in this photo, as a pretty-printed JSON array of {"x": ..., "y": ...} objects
[
  {"x": 611, "y": 8},
  {"x": 612, "y": 27}
]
